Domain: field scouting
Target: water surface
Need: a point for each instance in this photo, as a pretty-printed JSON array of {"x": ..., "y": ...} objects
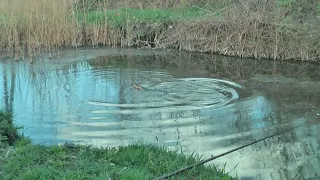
[{"x": 188, "y": 102}]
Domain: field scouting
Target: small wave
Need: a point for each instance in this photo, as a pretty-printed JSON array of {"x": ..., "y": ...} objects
[{"x": 178, "y": 94}]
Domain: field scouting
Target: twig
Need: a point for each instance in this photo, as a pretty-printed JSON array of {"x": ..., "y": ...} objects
[
  {"x": 223, "y": 154},
  {"x": 7, "y": 153},
  {"x": 302, "y": 166},
  {"x": 233, "y": 168}
]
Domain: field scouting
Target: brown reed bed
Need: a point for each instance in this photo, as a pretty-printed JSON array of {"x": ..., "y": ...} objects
[
  {"x": 247, "y": 33},
  {"x": 274, "y": 29}
]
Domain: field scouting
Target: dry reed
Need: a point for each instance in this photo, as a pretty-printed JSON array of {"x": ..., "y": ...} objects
[
  {"x": 244, "y": 28},
  {"x": 242, "y": 31},
  {"x": 28, "y": 26}
]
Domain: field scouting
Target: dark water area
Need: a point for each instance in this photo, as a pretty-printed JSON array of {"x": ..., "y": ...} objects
[{"x": 189, "y": 102}]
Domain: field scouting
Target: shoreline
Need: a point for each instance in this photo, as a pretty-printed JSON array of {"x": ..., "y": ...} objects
[
  {"x": 224, "y": 29},
  {"x": 21, "y": 159}
]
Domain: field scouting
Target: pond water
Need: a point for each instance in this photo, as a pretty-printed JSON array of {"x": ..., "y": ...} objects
[{"x": 189, "y": 102}]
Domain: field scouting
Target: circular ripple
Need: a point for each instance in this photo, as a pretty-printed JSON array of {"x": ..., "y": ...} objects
[
  {"x": 185, "y": 94},
  {"x": 198, "y": 92}
]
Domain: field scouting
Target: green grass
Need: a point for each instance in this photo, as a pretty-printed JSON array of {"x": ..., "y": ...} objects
[
  {"x": 30, "y": 161},
  {"x": 120, "y": 16},
  {"x": 2, "y": 18},
  {"x": 139, "y": 161},
  {"x": 8, "y": 132}
]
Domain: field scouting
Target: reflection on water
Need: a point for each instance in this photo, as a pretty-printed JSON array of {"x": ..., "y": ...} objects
[{"x": 194, "y": 102}]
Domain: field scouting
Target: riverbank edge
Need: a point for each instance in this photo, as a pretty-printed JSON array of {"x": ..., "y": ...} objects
[
  {"x": 238, "y": 33},
  {"x": 21, "y": 159}
]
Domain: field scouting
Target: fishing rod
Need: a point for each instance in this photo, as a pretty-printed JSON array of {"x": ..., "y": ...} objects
[{"x": 228, "y": 152}]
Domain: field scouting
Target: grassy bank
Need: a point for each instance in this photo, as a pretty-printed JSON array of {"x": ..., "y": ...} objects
[
  {"x": 277, "y": 29},
  {"x": 24, "y": 160}
]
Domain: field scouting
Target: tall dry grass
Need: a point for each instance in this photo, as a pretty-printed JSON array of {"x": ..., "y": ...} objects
[
  {"x": 28, "y": 26},
  {"x": 248, "y": 28}
]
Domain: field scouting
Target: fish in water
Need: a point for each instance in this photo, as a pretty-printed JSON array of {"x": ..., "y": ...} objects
[{"x": 136, "y": 86}]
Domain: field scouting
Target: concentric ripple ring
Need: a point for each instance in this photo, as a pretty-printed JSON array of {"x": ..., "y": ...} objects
[
  {"x": 199, "y": 92},
  {"x": 184, "y": 94}
]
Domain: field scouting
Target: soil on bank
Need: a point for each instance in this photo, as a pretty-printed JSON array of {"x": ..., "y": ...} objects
[{"x": 276, "y": 29}]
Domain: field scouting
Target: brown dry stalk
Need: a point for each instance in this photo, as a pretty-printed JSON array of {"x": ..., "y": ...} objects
[{"x": 245, "y": 29}]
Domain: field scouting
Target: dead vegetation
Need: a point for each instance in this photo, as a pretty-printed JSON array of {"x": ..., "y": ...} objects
[
  {"x": 247, "y": 33},
  {"x": 277, "y": 29}
]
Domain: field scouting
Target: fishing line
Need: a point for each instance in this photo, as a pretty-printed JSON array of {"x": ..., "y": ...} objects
[{"x": 225, "y": 153}]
